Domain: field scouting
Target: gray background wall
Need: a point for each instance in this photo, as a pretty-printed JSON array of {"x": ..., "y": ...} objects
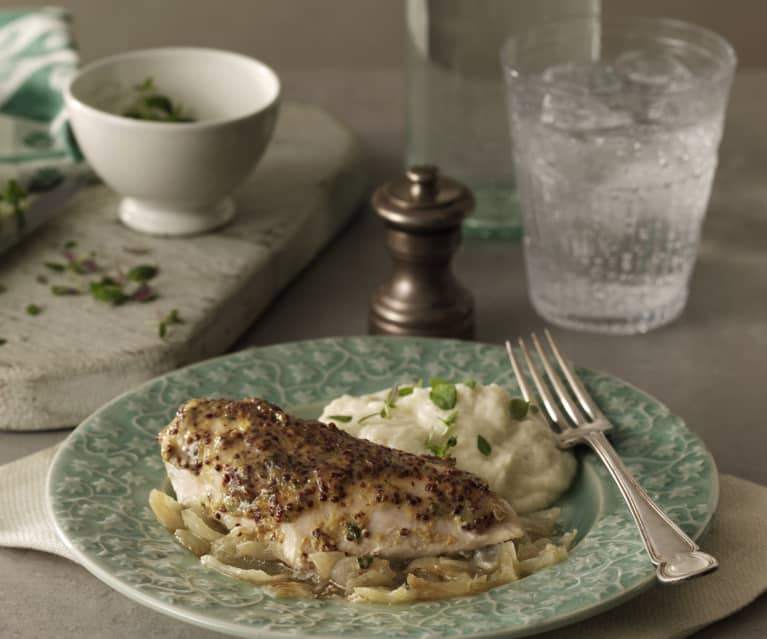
[{"x": 295, "y": 34}]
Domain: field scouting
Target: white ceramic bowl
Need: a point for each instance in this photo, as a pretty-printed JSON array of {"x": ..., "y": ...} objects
[{"x": 175, "y": 178}]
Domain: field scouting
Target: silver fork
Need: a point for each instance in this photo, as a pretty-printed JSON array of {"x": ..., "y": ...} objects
[{"x": 675, "y": 555}]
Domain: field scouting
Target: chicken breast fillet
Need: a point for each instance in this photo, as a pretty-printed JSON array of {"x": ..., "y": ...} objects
[{"x": 310, "y": 487}]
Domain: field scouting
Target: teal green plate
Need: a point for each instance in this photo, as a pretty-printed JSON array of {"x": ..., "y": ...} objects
[{"x": 99, "y": 483}]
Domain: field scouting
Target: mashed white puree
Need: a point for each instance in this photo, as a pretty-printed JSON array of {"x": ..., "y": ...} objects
[{"x": 524, "y": 464}]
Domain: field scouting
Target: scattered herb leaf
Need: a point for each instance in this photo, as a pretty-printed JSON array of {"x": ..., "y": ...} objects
[
  {"x": 41, "y": 279},
  {"x": 441, "y": 450},
  {"x": 484, "y": 446},
  {"x": 518, "y": 408},
  {"x": 109, "y": 291},
  {"x": 34, "y": 309},
  {"x": 364, "y": 562},
  {"x": 405, "y": 391},
  {"x": 471, "y": 383},
  {"x": 65, "y": 290},
  {"x": 70, "y": 244},
  {"x": 150, "y": 104},
  {"x": 344, "y": 419},
  {"x": 443, "y": 394},
  {"x": 58, "y": 267},
  {"x": 353, "y": 532},
  {"x": 171, "y": 318},
  {"x": 142, "y": 273},
  {"x": 362, "y": 419}
]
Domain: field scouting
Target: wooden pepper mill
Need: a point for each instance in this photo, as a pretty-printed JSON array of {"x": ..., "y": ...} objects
[{"x": 423, "y": 212}]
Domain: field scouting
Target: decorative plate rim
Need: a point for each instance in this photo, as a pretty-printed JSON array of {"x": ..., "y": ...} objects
[{"x": 238, "y": 629}]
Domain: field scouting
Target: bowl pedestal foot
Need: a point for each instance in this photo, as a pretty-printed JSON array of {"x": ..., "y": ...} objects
[{"x": 155, "y": 218}]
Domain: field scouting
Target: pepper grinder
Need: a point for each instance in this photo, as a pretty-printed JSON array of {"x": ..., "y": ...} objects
[{"x": 422, "y": 212}]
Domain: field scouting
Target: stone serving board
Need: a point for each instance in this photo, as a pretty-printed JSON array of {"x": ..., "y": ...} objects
[{"x": 59, "y": 366}]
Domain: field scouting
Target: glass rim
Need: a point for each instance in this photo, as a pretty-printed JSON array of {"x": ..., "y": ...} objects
[{"x": 725, "y": 62}]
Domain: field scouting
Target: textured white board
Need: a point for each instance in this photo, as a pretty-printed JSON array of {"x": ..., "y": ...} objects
[{"x": 60, "y": 365}]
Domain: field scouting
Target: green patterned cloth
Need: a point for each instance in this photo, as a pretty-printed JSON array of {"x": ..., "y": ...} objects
[{"x": 37, "y": 154}]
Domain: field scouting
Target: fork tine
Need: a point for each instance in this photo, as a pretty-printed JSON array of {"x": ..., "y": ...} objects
[
  {"x": 579, "y": 390},
  {"x": 571, "y": 408},
  {"x": 549, "y": 405},
  {"x": 524, "y": 387}
]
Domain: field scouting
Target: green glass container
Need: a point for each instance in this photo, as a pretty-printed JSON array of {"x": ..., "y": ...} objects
[{"x": 456, "y": 107}]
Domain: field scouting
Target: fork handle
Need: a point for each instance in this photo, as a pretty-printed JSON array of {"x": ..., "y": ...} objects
[{"x": 675, "y": 555}]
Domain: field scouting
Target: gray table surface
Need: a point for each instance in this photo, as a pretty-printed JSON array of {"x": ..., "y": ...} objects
[{"x": 710, "y": 366}]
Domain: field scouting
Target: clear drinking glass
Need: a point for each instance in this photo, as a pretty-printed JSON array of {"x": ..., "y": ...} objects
[{"x": 614, "y": 154}]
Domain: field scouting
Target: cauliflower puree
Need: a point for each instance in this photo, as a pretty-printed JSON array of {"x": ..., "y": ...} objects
[{"x": 519, "y": 458}]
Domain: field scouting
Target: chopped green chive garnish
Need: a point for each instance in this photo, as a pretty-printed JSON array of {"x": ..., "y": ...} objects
[
  {"x": 56, "y": 266},
  {"x": 450, "y": 419},
  {"x": 362, "y": 419},
  {"x": 34, "y": 309},
  {"x": 70, "y": 244},
  {"x": 518, "y": 408},
  {"x": 484, "y": 446},
  {"x": 340, "y": 418},
  {"x": 471, "y": 383},
  {"x": 405, "y": 391}
]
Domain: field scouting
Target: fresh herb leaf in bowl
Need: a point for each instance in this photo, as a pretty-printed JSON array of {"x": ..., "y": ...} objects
[{"x": 149, "y": 103}]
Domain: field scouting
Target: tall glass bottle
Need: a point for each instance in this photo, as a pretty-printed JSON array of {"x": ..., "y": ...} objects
[{"x": 456, "y": 108}]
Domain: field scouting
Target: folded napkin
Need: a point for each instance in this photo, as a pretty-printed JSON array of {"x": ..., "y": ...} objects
[
  {"x": 37, "y": 152},
  {"x": 737, "y": 537}
]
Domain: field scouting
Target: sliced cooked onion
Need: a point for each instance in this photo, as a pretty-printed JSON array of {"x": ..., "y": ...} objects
[
  {"x": 383, "y": 595},
  {"x": 166, "y": 509},
  {"x": 249, "y": 575},
  {"x": 260, "y": 550},
  {"x": 549, "y": 556},
  {"x": 197, "y": 525},
  {"x": 426, "y": 589},
  {"x": 325, "y": 561},
  {"x": 486, "y": 559},
  {"x": 540, "y": 523},
  {"x": 508, "y": 564},
  {"x": 344, "y": 570},
  {"x": 233, "y": 552},
  {"x": 192, "y": 542},
  {"x": 440, "y": 566},
  {"x": 379, "y": 573}
]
